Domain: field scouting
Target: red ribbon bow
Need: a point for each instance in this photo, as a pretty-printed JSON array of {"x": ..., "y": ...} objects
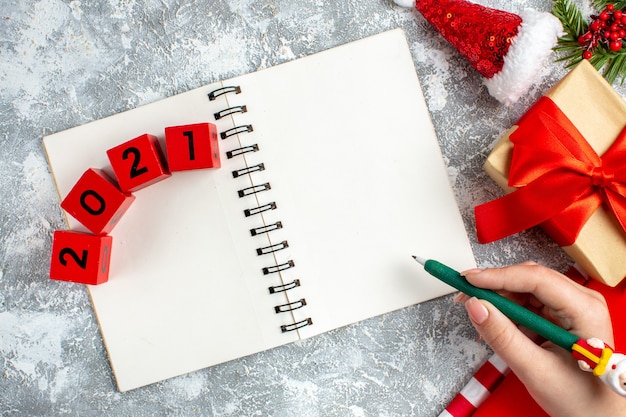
[{"x": 561, "y": 180}]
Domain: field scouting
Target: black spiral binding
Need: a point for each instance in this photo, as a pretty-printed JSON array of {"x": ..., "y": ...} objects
[
  {"x": 248, "y": 170},
  {"x": 272, "y": 248},
  {"x": 231, "y": 110},
  {"x": 242, "y": 150},
  {"x": 290, "y": 306},
  {"x": 259, "y": 209},
  {"x": 236, "y": 130},
  {"x": 278, "y": 268},
  {"x": 285, "y": 287},
  {"x": 265, "y": 229},
  {"x": 295, "y": 326},
  {"x": 224, "y": 90},
  {"x": 254, "y": 189}
]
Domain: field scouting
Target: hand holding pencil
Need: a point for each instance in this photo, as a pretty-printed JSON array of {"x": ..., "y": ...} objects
[{"x": 550, "y": 374}]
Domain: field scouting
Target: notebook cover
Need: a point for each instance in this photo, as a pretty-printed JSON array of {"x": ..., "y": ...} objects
[{"x": 359, "y": 185}]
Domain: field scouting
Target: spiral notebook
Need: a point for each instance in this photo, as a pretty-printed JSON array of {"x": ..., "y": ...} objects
[{"x": 331, "y": 179}]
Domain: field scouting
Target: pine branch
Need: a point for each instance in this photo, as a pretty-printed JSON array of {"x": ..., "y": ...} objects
[
  {"x": 571, "y": 17},
  {"x": 601, "y": 4},
  {"x": 573, "y": 23},
  {"x": 616, "y": 66}
]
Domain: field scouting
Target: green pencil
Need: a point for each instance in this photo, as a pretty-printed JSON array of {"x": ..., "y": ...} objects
[{"x": 515, "y": 312}]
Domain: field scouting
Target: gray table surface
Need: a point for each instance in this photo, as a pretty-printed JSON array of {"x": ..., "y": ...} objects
[{"x": 64, "y": 63}]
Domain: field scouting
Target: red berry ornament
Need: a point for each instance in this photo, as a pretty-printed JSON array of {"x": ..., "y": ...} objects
[
  {"x": 615, "y": 46},
  {"x": 608, "y": 29},
  {"x": 594, "y": 26}
]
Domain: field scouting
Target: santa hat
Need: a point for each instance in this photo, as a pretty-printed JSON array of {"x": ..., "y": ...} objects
[{"x": 508, "y": 50}]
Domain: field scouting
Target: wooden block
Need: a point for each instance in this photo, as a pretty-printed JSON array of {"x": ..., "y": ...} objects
[
  {"x": 192, "y": 146},
  {"x": 80, "y": 257},
  {"x": 138, "y": 163},
  {"x": 96, "y": 202}
]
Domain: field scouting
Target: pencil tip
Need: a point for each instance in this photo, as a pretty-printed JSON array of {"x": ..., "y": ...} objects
[{"x": 420, "y": 260}]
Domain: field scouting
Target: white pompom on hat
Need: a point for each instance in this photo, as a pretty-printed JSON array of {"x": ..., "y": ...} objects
[
  {"x": 405, "y": 3},
  {"x": 507, "y": 49}
]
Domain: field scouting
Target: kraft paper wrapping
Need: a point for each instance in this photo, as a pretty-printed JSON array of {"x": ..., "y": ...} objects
[{"x": 599, "y": 113}]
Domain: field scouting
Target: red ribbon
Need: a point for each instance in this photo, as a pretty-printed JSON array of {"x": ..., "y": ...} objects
[{"x": 561, "y": 180}]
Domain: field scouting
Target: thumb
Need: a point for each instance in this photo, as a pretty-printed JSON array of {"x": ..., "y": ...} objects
[{"x": 499, "y": 332}]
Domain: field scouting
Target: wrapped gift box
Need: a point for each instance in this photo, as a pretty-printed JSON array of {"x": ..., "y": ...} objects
[{"x": 598, "y": 112}]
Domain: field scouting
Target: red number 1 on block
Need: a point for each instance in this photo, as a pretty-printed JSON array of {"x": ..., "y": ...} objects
[
  {"x": 192, "y": 146},
  {"x": 80, "y": 257}
]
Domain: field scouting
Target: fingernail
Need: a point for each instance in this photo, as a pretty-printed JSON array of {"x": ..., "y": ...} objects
[
  {"x": 476, "y": 310},
  {"x": 460, "y": 298},
  {"x": 472, "y": 271}
]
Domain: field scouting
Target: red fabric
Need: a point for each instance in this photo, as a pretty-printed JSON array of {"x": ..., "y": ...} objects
[
  {"x": 616, "y": 300},
  {"x": 488, "y": 376},
  {"x": 460, "y": 407},
  {"x": 511, "y": 399},
  {"x": 481, "y": 34},
  {"x": 563, "y": 180}
]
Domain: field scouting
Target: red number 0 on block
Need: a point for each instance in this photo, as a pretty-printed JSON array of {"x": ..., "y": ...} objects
[{"x": 96, "y": 202}]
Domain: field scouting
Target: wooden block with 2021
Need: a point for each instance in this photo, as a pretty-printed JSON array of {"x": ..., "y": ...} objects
[
  {"x": 80, "y": 257},
  {"x": 193, "y": 146},
  {"x": 138, "y": 163},
  {"x": 96, "y": 202}
]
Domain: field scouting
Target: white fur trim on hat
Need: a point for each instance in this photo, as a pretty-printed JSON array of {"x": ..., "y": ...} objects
[
  {"x": 405, "y": 3},
  {"x": 537, "y": 35}
]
